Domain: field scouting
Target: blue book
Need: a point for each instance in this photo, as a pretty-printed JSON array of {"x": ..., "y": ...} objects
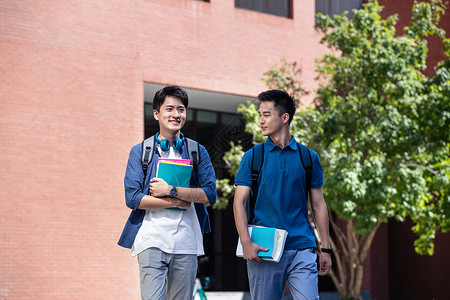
[
  {"x": 264, "y": 237},
  {"x": 175, "y": 174},
  {"x": 267, "y": 237}
]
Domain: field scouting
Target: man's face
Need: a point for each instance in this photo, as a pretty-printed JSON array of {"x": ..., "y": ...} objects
[
  {"x": 171, "y": 115},
  {"x": 269, "y": 119}
]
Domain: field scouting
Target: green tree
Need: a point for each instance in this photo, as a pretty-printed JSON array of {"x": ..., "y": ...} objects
[{"x": 381, "y": 128}]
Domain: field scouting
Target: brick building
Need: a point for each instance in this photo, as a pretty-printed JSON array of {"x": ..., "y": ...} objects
[{"x": 76, "y": 78}]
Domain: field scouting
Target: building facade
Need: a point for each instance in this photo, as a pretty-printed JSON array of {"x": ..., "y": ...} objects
[
  {"x": 72, "y": 92},
  {"x": 76, "y": 79}
]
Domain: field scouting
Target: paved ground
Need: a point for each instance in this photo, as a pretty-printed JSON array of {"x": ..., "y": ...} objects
[{"x": 246, "y": 296}]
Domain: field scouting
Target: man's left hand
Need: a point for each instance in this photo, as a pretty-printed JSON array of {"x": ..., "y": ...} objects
[{"x": 324, "y": 264}]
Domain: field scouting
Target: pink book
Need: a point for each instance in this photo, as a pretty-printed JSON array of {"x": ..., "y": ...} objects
[{"x": 176, "y": 161}]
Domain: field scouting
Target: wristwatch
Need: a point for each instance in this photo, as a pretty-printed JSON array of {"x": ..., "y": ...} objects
[
  {"x": 173, "y": 192},
  {"x": 327, "y": 250}
]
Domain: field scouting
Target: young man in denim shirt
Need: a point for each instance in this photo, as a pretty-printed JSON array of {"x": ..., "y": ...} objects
[{"x": 167, "y": 241}]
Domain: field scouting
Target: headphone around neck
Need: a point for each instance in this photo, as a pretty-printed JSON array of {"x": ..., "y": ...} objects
[{"x": 165, "y": 143}]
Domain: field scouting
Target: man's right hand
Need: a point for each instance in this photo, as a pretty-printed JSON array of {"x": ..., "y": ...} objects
[{"x": 250, "y": 251}]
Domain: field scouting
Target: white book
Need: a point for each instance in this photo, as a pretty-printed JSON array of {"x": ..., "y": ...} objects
[{"x": 267, "y": 237}]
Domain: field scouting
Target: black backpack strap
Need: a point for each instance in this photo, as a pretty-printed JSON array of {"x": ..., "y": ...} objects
[
  {"x": 148, "y": 148},
  {"x": 193, "y": 149},
  {"x": 305, "y": 158},
  {"x": 256, "y": 166}
]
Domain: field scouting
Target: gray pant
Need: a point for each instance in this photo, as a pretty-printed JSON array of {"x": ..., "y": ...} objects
[
  {"x": 268, "y": 279},
  {"x": 166, "y": 276}
]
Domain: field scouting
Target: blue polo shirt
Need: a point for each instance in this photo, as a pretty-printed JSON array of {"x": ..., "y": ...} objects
[{"x": 281, "y": 201}]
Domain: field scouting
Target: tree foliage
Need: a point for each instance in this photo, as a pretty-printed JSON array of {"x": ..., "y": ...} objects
[
  {"x": 381, "y": 128},
  {"x": 385, "y": 125}
]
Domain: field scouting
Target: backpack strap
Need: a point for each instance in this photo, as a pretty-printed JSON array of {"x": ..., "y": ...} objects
[
  {"x": 257, "y": 162},
  {"x": 305, "y": 158},
  {"x": 194, "y": 153},
  {"x": 148, "y": 149}
]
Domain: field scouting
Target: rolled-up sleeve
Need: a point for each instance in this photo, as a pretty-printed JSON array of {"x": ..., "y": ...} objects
[
  {"x": 134, "y": 179},
  {"x": 207, "y": 176}
]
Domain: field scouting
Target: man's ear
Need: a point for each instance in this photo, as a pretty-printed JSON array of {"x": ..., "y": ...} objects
[
  {"x": 155, "y": 114},
  {"x": 285, "y": 118}
]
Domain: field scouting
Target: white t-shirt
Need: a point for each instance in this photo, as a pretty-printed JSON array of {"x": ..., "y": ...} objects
[{"x": 171, "y": 231}]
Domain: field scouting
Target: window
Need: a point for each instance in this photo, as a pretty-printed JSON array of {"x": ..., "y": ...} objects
[
  {"x": 281, "y": 8},
  {"x": 336, "y": 7}
]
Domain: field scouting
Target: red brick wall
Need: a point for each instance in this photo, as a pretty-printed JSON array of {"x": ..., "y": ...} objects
[
  {"x": 413, "y": 276},
  {"x": 220, "y": 48},
  {"x": 71, "y": 86},
  {"x": 376, "y": 266}
]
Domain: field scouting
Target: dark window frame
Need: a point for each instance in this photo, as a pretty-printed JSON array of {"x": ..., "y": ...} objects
[
  {"x": 337, "y": 7},
  {"x": 267, "y": 7}
]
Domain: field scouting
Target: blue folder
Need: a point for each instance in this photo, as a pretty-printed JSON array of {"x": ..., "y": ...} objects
[{"x": 174, "y": 174}]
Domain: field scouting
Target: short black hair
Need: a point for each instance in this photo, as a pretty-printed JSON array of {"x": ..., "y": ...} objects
[
  {"x": 283, "y": 102},
  {"x": 170, "y": 90}
]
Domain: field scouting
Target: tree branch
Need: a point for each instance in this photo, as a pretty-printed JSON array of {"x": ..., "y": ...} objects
[
  {"x": 435, "y": 173},
  {"x": 339, "y": 277},
  {"x": 368, "y": 242}
]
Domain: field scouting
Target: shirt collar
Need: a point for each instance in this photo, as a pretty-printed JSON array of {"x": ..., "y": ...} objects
[{"x": 292, "y": 144}]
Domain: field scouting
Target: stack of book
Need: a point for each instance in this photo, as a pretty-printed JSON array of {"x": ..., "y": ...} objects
[
  {"x": 176, "y": 172},
  {"x": 267, "y": 237}
]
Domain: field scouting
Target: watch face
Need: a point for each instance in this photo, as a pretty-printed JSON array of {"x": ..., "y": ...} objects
[{"x": 173, "y": 192}]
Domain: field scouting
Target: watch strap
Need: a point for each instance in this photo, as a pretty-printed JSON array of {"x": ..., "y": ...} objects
[{"x": 327, "y": 250}]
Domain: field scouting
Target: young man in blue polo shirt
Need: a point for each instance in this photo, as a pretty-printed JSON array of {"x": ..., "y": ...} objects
[
  {"x": 282, "y": 203},
  {"x": 167, "y": 241}
]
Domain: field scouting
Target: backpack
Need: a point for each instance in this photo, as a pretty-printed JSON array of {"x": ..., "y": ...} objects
[
  {"x": 148, "y": 149},
  {"x": 256, "y": 166}
]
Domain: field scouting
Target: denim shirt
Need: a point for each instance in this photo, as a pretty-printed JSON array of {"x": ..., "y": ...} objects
[{"x": 136, "y": 187}]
